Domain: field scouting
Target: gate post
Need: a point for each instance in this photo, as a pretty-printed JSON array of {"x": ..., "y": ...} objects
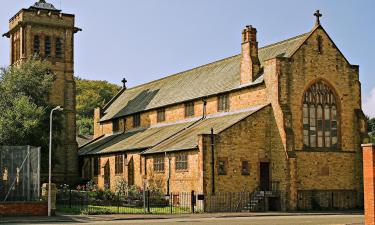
[
  {"x": 369, "y": 182},
  {"x": 192, "y": 200}
]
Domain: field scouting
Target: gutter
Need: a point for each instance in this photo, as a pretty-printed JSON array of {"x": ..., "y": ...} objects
[{"x": 178, "y": 132}]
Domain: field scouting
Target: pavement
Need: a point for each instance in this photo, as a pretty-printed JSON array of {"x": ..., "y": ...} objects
[{"x": 354, "y": 217}]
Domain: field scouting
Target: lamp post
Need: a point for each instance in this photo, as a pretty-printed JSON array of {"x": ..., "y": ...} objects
[{"x": 58, "y": 108}]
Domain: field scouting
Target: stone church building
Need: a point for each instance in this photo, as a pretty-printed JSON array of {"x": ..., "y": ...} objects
[
  {"x": 286, "y": 116},
  {"x": 45, "y": 32}
]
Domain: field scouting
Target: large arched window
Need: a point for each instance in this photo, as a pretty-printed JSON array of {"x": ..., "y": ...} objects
[{"x": 320, "y": 116}]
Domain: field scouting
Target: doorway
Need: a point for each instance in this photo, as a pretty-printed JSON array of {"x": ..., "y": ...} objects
[{"x": 264, "y": 176}]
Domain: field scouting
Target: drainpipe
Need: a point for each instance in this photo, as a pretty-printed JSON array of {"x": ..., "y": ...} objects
[
  {"x": 212, "y": 163},
  {"x": 204, "y": 108},
  {"x": 169, "y": 174}
]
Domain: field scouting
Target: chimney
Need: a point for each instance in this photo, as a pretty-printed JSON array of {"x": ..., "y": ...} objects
[{"x": 250, "y": 64}]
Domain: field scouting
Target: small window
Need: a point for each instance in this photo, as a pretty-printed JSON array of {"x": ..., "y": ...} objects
[
  {"x": 189, "y": 109},
  {"x": 116, "y": 125},
  {"x": 159, "y": 164},
  {"x": 119, "y": 164},
  {"x": 222, "y": 166},
  {"x": 47, "y": 46},
  {"x": 36, "y": 49},
  {"x": 182, "y": 162},
  {"x": 58, "y": 48},
  {"x": 245, "y": 168},
  {"x": 223, "y": 103},
  {"x": 96, "y": 166},
  {"x": 137, "y": 120},
  {"x": 161, "y": 115}
]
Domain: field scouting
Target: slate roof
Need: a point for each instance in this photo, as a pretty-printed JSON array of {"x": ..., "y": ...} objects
[
  {"x": 210, "y": 79},
  {"x": 165, "y": 137},
  {"x": 42, "y": 4},
  {"x": 138, "y": 139},
  {"x": 188, "y": 139}
]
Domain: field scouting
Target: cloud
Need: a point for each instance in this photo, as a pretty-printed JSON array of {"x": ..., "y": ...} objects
[{"x": 369, "y": 104}]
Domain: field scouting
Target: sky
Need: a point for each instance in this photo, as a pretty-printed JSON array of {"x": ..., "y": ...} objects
[{"x": 144, "y": 40}]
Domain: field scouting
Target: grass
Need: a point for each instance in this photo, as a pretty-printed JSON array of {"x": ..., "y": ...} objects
[{"x": 99, "y": 210}]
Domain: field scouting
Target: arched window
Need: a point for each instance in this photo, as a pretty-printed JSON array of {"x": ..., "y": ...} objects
[{"x": 320, "y": 117}]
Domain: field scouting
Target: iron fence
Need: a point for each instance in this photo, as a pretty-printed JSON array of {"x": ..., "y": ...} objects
[
  {"x": 19, "y": 173},
  {"x": 104, "y": 202}
]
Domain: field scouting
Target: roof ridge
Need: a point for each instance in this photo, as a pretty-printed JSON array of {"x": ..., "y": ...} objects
[
  {"x": 175, "y": 74},
  {"x": 283, "y": 41},
  {"x": 207, "y": 64}
]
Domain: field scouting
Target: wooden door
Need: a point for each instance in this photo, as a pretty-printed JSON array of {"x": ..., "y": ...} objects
[{"x": 264, "y": 176}]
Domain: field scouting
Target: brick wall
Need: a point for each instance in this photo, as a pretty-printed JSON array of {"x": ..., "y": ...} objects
[
  {"x": 23, "y": 209},
  {"x": 240, "y": 99},
  {"x": 369, "y": 182}
]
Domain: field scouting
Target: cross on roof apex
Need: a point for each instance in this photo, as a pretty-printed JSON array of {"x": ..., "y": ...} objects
[
  {"x": 317, "y": 14},
  {"x": 124, "y": 81}
]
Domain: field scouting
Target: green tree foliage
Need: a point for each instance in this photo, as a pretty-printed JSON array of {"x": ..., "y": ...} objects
[
  {"x": 91, "y": 94},
  {"x": 371, "y": 128},
  {"x": 24, "y": 91}
]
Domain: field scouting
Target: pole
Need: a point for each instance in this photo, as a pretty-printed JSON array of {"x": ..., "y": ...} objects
[
  {"x": 212, "y": 162},
  {"x": 49, "y": 163},
  {"x": 50, "y": 158}
]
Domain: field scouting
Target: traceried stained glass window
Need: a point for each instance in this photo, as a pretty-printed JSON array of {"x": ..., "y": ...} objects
[{"x": 320, "y": 117}]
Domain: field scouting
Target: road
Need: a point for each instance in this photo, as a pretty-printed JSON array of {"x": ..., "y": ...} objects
[{"x": 263, "y": 220}]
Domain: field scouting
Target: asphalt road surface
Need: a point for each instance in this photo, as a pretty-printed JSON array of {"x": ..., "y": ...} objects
[{"x": 263, "y": 220}]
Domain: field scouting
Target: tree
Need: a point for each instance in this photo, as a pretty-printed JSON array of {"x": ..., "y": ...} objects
[
  {"x": 24, "y": 104},
  {"x": 371, "y": 128},
  {"x": 91, "y": 94}
]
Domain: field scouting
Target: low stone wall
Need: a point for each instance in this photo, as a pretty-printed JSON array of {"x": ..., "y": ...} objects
[{"x": 23, "y": 208}]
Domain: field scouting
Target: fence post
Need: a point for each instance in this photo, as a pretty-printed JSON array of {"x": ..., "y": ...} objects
[
  {"x": 70, "y": 198},
  {"x": 171, "y": 201},
  {"x": 144, "y": 199},
  {"x": 192, "y": 200},
  {"x": 148, "y": 201},
  {"x": 118, "y": 203}
]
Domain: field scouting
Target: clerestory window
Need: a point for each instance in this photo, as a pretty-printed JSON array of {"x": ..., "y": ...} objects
[{"x": 320, "y": 117}]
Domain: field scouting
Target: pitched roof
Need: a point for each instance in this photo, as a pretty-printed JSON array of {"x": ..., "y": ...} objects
[
  {"x": 137, "y": 139},
  {"x": 217, "y": 77},
  {"x": 165, "y": 137},
  {"x": 187, "y": 139}
]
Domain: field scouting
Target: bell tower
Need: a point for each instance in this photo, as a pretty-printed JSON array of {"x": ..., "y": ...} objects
[{"x": 44, "y": 31}]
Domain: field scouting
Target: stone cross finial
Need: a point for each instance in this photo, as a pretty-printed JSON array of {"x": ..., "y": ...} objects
[
  {"x": 317, "y": 14},
  {"x": 124, "y": 83}
]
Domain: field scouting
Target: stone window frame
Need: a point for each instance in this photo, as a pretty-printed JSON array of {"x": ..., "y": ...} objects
[
  {"x": 222, "y": 166},
  {"x": 160, "y": 115},
  {"x": 223, "y": 103},
  {"x": 245, "y": 167},
  {"x": 119, "y": 164},
  {"x": 47, "y": 46},
  {"x": 136, "y": 120},
  {"x": 159, "y": 164},
  {"x": 181, "y": 162},
  {"x": 96, "y": 164},
  {"x": 36, "y": 45},
  {"x": 115, "y": 125},
  {"x": 58, "y": 48},
  {"x": 189, "y": 109},
  {"x": 319, "y": 131}
]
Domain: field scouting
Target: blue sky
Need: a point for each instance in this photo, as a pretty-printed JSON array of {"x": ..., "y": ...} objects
[{"x": 144, "y": 40}]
